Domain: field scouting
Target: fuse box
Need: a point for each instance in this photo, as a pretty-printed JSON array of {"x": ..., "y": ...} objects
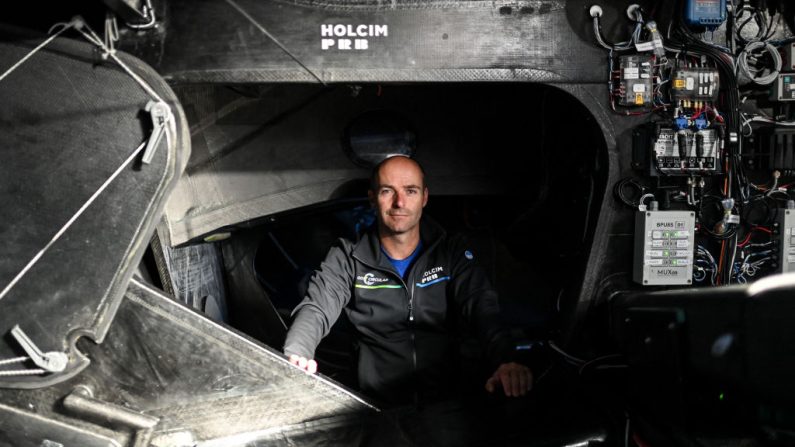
[{"x": 695, "y": 84}]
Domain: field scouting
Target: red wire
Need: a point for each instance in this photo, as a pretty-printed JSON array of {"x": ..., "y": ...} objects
[{"x": 748, "y": 237}]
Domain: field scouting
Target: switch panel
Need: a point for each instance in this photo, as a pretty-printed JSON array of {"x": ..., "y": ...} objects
[{"x": 664, "y": 247}]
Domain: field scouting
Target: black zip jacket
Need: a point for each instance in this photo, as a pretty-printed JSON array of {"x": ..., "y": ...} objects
[{"x": 408, "y": 330}]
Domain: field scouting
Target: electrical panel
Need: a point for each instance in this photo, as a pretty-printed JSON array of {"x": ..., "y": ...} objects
[
  {"x": 707, "y": 13},
  {"x": 786, "y": 225},
  {"x": 695, "y": 84},
  {"x": 783, "y": 88},
  {"x": 664, "y": 247},
  {"x": 635, "y": 86},
  {"x": 714, "y": 144}
]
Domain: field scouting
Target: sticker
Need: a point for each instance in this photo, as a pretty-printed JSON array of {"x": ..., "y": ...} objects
[
  {"x": 679, "y": 83},
  {"x": 468, "y": 254},
  {"x": 638, "y": 88},
  {"x": 631, "y": 73},
  {"x": 690, "y": 83},
  {"x": 644, "y": 46}
]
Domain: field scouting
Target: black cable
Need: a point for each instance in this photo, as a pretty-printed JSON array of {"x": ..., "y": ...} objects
[{"x": 618, "y": 191}]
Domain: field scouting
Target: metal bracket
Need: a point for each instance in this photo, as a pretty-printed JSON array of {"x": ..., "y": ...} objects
[
  {"x": 160, "y": 114},
  {"x": 52, "y": 361}
]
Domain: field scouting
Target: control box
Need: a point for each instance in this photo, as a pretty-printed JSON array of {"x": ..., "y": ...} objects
[
  {"x": 686, "y": 152},
  {"x": 783, "y": 88},
  {"x": 636, "y": 83},
  {"x": 707, "y": 13},
  {"x": 695, "y": 84},
  {"x": 786, "y": 226},
  {"x": 664, "y": 247},
  {"x": 788, "y": 56}
]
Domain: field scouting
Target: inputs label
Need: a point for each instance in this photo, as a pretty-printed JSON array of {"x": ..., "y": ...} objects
[{"x": 350, "y": 37}]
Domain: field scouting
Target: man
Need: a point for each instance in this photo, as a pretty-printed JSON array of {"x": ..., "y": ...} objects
[{"x": 408, "y": 289}]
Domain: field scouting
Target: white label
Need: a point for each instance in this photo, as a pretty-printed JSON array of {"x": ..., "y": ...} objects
[
  {"x": 656, "y": 234},
  {"x": 681, "y": 234},
  {"x": 654, "y": 253},
  {"x": 631, "y": 73},
  {"x": 682, "y": 253},
  {"x": 682, "y": 244},
  {"x": 350, "y": 37},
  {"x": 639, "y": 88},
  {"x": 644, "y": 46},
  {"x": 654, "y": 261},
  {"x": 680, "y": 261},
  {"x": 657, "y": 243},
  {"x": 733, "y": 219},
  {"x": 690, "y": 83}
]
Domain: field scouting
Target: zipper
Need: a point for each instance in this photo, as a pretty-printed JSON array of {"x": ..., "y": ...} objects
[{"x": 410, "y": 293}]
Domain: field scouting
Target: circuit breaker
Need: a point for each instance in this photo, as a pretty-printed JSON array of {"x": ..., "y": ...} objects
[
  {"x": 664, "y": 247},
  {"x": 786, "y": 225}
]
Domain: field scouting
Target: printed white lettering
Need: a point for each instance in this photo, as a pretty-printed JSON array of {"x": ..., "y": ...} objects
[{"x": 350, "y": 30}]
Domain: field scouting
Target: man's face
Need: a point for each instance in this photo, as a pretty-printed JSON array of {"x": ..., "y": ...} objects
[{"x": 399, "y": 195}]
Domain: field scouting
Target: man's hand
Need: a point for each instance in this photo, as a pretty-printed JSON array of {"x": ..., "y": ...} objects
[
  {"x": 516, "y": 379},
  {"x": 307, "y": 365}
]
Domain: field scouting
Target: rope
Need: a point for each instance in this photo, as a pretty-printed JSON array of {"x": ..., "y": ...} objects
[
  {"x": 264, "y": 31},
  {"x": 92, "y": 37},
  {"x": 70, "y": 222},
  {"x": 22, "y": 372},
  {"x": 66, "y": 26}
]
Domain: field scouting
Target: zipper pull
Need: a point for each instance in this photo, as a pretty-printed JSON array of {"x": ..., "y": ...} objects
[{"x": 411, "y": 312}]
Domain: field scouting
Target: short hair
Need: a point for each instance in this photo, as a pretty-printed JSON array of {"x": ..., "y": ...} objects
[{"x": 377, "y": 169}]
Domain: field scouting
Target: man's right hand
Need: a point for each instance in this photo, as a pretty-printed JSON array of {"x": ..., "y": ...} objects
[{"x": 307, "y": 365}]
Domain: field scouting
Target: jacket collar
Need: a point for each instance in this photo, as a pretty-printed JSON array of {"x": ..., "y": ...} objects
[{"x": 368, "y": 249}]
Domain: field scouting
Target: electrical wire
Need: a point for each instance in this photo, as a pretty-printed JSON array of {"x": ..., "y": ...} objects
[{"x": 753, "y": 73}]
